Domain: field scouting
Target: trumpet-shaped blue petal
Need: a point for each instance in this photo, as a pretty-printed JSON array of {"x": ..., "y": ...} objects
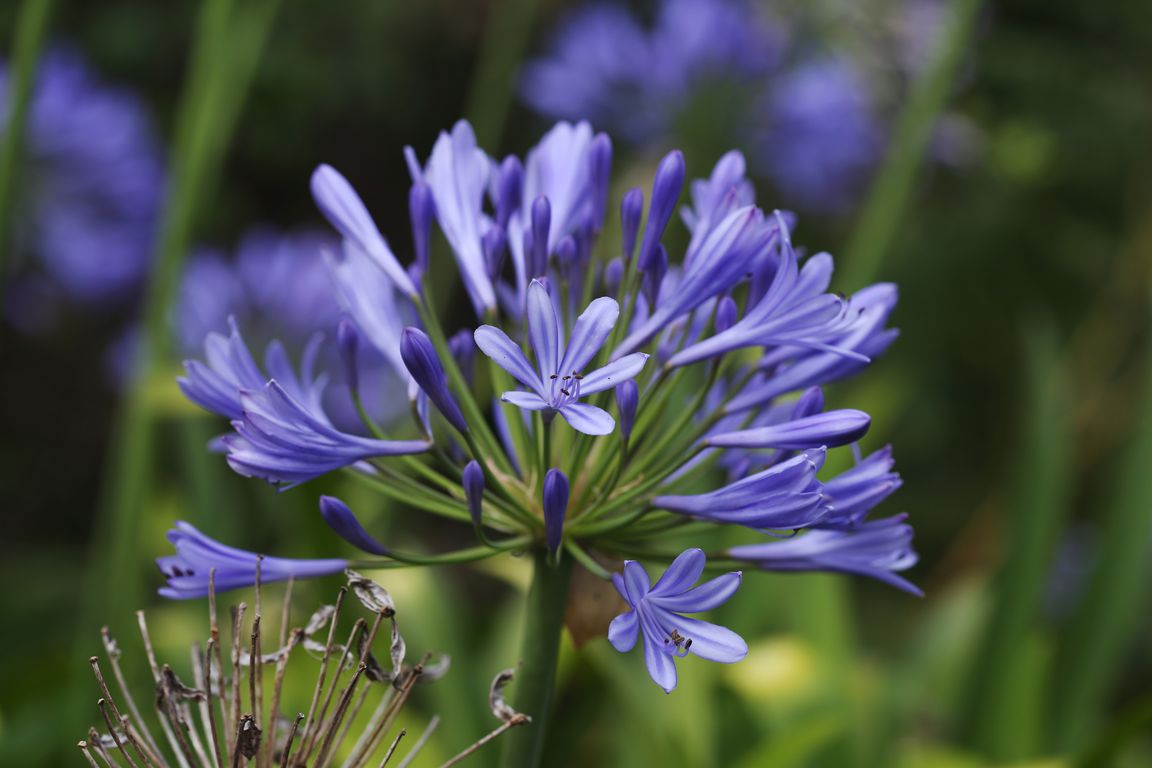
[
  {"x": 343, "y": 208},
  {"x": 457, "y": 174},
  {"x": 280, "y": 440},
  {"x": 878, "y": 549},
  {"x": 197, "y": 556}
]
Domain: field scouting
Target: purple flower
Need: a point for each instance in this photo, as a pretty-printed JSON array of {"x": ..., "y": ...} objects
[
  {"x": 795, "y": 311},
  {"x": 197, "y": 555},
  {"x": 725, "y": 255},
  {"x": 791, "y": 369},
  {"x": 457, "y": 174},
  {"x": 95, "y": 182},
  {"x": 345, "y": 211},
  {"x": 283, "y": 441},
  {"x": 230, "y": 370},
  {"x": 560, "y": 171},
  {"x": 277, "y": 286},
  {"x": 823, "y": 138},
  {"x": 855, "y": 492},
  {"x": 558, "y": 383},
  {"x": 830, "y": 428},
  {"x": 878, "y": 549},
  {"x": 603, "y": 65},
  {"x": 783, "y": 497},
  {"x": 654, "y": 612}
]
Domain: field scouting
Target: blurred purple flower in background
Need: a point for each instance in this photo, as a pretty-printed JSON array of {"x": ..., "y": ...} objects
[
  {"x": 90, "y": 189},
  {"x": 814, "y": 121},
  {"x": 605, "y": 66}
]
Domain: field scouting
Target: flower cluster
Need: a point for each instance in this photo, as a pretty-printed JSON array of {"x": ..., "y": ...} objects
[{"x": 688, "y": 387}]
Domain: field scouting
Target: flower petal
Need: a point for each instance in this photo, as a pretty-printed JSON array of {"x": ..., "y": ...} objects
[
  {"x": 623, "y": 630},
  {"x": 543, "y": 328},
  {"x": 588, "y": 418},
  {"x": 661, "y": 667},
  {"x": 709, "y": 641},
  {"x": 612, "y": 374},
  {"x": 527, "y": 400},
  {"x": 705, "y": 597},
  {"x": 505, "y": 353},
  {"x": 636, "y": 583},
  {"x": 589, "y": 334},
  {"x": 681, "y": 574}
]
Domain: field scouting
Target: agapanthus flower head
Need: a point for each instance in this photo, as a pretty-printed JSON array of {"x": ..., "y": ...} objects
[
  {"x": 92, "y": 182},
  {"x": 243, "y": 703},
  {"x": 728, "y": 426}
]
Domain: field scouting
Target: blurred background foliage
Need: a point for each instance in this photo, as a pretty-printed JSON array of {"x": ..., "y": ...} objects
[{"x": 1018, "y": 399}]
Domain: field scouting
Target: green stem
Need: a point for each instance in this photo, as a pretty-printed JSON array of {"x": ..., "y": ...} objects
[
  {"x": 28, "y": 40},
  {"x": 539, "y": 652}
]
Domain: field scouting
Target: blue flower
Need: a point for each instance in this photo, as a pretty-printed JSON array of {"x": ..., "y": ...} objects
[
  {"x": 558, "y": 382},
  {"x": 90, "y": 206},
  {"x": 603, "y": 65},
  {"x": 878, "y": 549},
  {"x": 231, "y": 370},
  {"x": 654, "y": 612},
  {"x": 457, "y": 174},
  {"x": 284, "y": 441},
  {"x": 783, "y": 497},
  {"x": 823, "y": 137},
  {"x": 197, "y": 556}
]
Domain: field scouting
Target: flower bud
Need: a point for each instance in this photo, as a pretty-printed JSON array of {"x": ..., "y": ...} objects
[
  {"x": 555, "y": 508},
  {"x": 627, "y": 397},
  {"x": 474, "y": 490},
  {"x": 599, "y": 174},
  {"x": 541, "y": 222},
  {"x": 421, "y": 361},
  {"x": 726, "y": 314},
  {"x": 421, "y": 209},
  {"x": 665, "y": 192},
  {"x": 341, "y": 520},
  {"x": 509, "y": 189},
  {"x": 348, "y": 342},
  {"x": 631, "y": 209}
]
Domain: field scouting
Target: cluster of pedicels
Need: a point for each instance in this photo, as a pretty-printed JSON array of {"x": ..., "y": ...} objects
[
  {"x": 688, "y": 388},
  {"x": 232, "y": 710}
]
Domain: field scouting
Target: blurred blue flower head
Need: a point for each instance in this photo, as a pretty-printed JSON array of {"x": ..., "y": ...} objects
[
  {"x": 810, "y": 118},
  {"x": 710, "y": 357},
  {"x": 91, "y": 184}
]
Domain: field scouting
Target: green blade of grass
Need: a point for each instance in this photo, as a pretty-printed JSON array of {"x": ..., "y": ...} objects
[
  {"x": 494, "y": 84},
  {"x": 226, "y": 48},
  {"x": 1092, "y": 655},
  {"x": 28, "y": 40},
  {"x": 893, "y": 187},
  {"x": 1040, "y": 501}
]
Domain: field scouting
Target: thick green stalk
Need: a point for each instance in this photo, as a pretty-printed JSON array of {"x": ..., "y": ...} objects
[
  {"x": 893, "y": 187},
  {"x": 539, "y": 652},
  {"x": 31, "y": 25}
]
